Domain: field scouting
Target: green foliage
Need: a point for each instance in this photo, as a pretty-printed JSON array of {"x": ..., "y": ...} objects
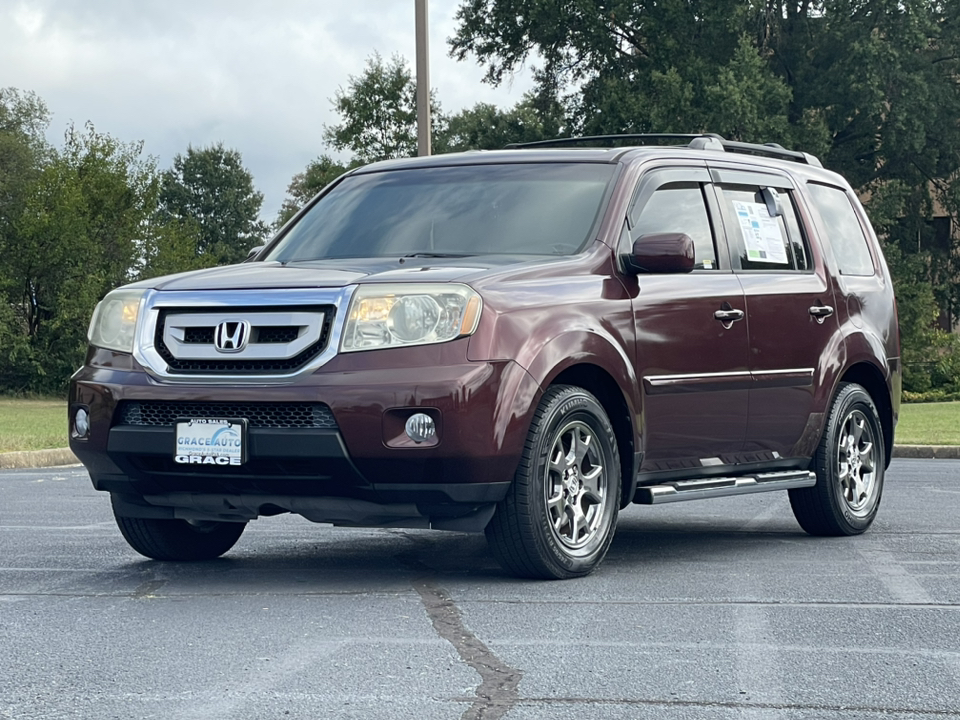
[
  {"x": 23, "y": 120},
  {"x": 932, "y": 396},
  {"x": 747, "y": 100},
  {"x": 75, "y": 222},
  {"x": 75, "y": 234},
  {"x": 211, "y": 195},
  {"x": 378, "y": 113},
  {"x": 170, "y": 246},
  {"x": 486, "y": 127},
  {"x": 318, "y": 174}
]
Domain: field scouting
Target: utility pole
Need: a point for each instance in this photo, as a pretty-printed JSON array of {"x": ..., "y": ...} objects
[{"x": 423, "y": 80}]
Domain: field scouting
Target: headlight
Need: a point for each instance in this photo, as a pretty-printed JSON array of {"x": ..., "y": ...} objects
[
  {"x": 114, "y": 322},
  {"x": 398, "y": 315}
]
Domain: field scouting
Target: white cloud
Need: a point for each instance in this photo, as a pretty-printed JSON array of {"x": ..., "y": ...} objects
[{"x": 257, "y": 76}]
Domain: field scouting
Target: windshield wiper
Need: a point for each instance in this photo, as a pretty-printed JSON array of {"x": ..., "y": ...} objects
[{"x": 436, "y": 255}]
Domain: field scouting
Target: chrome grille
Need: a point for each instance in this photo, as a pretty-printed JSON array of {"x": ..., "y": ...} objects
[
  {"x": 262, "y": 415},
  {"x": 280, "y": 336}
]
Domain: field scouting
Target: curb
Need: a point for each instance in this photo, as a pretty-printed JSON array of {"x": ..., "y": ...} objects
[
  {"x": 63, "y": 456},
  {"x": 946, "y": 452},
  {"x": 38, "y": 458}
]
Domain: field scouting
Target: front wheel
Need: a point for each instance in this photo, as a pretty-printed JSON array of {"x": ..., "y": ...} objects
[
  {"x": 179, "y": 539},
  {"x": 559, "y": 516},
  {"x": 849, "y": 465}
]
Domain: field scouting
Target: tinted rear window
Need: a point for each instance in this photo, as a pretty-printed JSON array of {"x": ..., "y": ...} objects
[
  {"x": 843, "y": 229},
  {"x": 538, "y": 209}
]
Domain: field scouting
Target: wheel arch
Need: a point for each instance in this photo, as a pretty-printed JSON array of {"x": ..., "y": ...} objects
[
  {"x": 872, "y": 380},
  {"x": 596, "y": 360}
]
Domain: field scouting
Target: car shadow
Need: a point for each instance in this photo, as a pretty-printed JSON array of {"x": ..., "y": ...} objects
[{"x": 302, "y": 558}]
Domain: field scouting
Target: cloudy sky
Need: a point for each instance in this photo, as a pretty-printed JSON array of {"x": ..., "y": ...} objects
[{"x": 254, "y": 74}]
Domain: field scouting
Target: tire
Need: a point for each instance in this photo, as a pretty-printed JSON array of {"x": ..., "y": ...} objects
[
  {"x": 179, "y": 539},
  {"x": 560, "y": 514},
  {"x": 849, "y": 465}
]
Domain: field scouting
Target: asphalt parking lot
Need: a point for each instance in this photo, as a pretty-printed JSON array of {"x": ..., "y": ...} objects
[{"x": 709, "y": 609}]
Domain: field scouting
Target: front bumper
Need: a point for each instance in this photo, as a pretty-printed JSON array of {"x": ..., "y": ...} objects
[{"x": 482, "y": 411}]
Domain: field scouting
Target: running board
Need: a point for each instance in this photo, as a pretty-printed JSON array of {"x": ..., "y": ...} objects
[{"x": 723, "y": 486}]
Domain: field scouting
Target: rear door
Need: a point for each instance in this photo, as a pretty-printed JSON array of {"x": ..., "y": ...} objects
[
  {"x": 791, "y": 312},
  {"x": 692, "y": 362}
]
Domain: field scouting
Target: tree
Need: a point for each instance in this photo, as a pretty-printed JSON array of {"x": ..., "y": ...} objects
[
  {"x": 487, "y": 127},
  {"x": 84, "y": 217},
  {"x": 318, "y": 174},
  {"x": 624, "y": 65},
  {"x": 23, "y": 120},
  {"x": 379, "y": 113},
  {"x": 75, "y": 222},
  {"x": 211, "y": 188}
]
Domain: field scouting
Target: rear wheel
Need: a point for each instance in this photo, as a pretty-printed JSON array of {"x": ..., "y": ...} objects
[
  {"x": 559, "y": 516},
  {"x": 849, "y": 465},
  {"x": 179, "y": 539}
]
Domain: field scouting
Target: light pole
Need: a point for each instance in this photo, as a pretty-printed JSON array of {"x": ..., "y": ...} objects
[{"x": 423, "y": 80}]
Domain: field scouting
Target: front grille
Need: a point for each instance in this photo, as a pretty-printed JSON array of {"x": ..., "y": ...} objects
[
  {"x": 266, "y": 334},
  {"x": 260, "y": 415},
  {"x": 199, "y": 336},
  {"x": 277, "y": 334}
]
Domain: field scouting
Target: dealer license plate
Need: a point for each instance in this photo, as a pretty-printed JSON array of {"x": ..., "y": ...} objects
[{"x": 210, "y": 441}]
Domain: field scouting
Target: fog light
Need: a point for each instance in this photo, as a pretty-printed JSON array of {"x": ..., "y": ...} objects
[
  {"x": 420, "y": 427},
  {"x": 81, "y": 423}
]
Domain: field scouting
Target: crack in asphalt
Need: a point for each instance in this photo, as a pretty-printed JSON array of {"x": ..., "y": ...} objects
[{"x": 497, "y": 693}]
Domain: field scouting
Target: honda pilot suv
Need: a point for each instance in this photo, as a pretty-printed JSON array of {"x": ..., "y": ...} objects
[{"x": 519, "y": 342}]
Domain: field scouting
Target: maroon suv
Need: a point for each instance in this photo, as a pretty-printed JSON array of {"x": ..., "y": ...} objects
[{"x": 520, "y": 342}]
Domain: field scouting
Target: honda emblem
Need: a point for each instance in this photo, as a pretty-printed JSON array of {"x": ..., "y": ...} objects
[{"x": 231, "y": 336}]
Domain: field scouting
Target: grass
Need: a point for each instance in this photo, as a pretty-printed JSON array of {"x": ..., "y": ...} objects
[
  {"x": 32, "y": 424},
  {"x": 929, "y": 424},
  {"x": 42, "y": 424}
]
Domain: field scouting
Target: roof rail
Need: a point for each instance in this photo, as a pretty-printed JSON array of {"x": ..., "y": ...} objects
[{"x": 702, "y": 141}]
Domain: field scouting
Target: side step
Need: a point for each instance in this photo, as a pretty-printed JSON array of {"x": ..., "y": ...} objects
[{"x": 721, "y": 487}]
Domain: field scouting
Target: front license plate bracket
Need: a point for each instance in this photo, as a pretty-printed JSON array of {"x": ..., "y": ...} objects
[{"x": 210, "y": 442}]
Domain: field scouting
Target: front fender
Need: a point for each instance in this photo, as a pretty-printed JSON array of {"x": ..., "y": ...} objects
[{"x": 596, "y": 329}]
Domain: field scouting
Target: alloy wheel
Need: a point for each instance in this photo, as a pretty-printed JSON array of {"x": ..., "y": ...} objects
[
  {"x": 857, "y": 462},
  {"x": 576, "y": 486}
]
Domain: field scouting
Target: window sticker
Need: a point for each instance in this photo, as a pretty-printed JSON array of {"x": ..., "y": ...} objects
[{"x": 762, "y": 237}]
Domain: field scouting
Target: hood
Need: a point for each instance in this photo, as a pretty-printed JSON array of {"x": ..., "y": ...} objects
[{"x": 331, "y": 273}]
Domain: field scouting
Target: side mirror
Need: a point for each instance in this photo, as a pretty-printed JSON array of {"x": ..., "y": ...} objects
[
  {"x": 661, "y": 253},
  {"x": 254, "y": 252}
]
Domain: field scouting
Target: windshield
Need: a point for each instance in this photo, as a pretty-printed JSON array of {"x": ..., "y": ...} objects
[{"x": 521, "y": 209}]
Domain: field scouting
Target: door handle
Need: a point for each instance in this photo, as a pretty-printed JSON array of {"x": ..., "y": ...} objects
[
  {"x": 731, "y": 315},
  {"x": 728, "y": 316},
  {"x": 821, "y": 312}
]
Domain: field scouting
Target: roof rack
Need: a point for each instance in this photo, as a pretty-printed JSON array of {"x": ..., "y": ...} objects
[{"x": 703, "y": 141}]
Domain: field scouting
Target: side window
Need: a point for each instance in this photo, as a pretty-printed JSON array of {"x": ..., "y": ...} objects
[
  {"x": 680, "y": 208},
  {"x": 760, "y": 240},
  {"x": 843, "y": 228}
]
